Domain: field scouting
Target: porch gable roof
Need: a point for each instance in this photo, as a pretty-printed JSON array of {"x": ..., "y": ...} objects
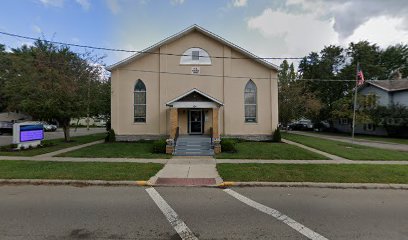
[{"x": 194, "y": 90}]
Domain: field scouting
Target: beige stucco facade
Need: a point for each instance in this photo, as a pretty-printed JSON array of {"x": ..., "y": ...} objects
[{"x": 166, "y": 79}]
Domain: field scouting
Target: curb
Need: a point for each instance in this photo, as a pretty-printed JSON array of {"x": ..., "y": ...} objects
[
  {"x": 77, "y": 183},
  {"x": 317, "y": 185}
]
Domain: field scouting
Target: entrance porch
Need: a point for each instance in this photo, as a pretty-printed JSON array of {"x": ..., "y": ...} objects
[{"x": 194, "y": 113}]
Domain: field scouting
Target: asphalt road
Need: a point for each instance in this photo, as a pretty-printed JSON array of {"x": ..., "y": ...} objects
[
  {"x": 66, "y": 212},
  {"x": 7, "y": 139}
]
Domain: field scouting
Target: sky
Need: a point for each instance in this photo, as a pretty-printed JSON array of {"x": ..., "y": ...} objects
[{"x": 268, "y": 28}]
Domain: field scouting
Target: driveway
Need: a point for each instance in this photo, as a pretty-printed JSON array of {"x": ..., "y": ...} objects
[
  {"x": 7, "y": 139},
  {"x": 67, "y": 212},
  {"x": 383, "y": 145}
]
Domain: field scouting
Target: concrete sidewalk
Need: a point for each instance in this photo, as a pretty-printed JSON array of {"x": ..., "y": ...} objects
[
  {"x": 194, "y": 161},
  {"x": 188, "y": 171},
  {"x": 64, "y": 150},
  {"x": 363, "y": 142}
]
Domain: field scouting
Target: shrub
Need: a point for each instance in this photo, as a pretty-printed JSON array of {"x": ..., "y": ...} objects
[
  {"x": 111, "y": 137},
  {"x": 159, "y": 146},
  {"x": 108, "y": 125},
  {"x": 276, "y": 137},
  {"x": 228, "y": 145}
]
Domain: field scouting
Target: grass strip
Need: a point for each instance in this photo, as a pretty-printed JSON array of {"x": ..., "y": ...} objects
[
  {"x": 271, "y": 151},
  {"x": 140, "y": 149},
  {"x": 347, "y": 150},
  {"x": 54, "y": 145},
  {"x": 77, "y": 170},
  {"x": 333, "y": 173}
]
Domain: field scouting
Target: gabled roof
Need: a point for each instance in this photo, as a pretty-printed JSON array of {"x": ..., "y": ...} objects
[
  {"x": 390, "y": 85},
  {"x": 185, "y": 32},
  {"x": 194, "y": 90}
]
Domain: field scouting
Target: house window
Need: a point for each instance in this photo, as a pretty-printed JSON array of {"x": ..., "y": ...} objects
[
  {"x": 250, "y": 99},
  {"x": 344, "y": 121},
  {"x": 139, "y": 102},
  {"x": 195, "y": 56},
  {"x": 369, "y": 127}
]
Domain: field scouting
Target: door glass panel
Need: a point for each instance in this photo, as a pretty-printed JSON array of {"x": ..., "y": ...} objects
[{"x": 195, "y": 121}]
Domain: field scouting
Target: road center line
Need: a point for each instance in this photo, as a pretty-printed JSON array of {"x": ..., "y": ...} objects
[
  {"x": 180, "y": 227},
  {"x": 278, "y": 215}
]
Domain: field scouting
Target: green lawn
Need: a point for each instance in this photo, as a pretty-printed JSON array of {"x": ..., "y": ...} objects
[
  {"x": 141, "y": 149},
  {"x": 55, "y": 145},
  {"x": 339, "y": 173},
  {"x": 367, "y": 137},
  {"x": 269, "y": 150},
  {"x": 347, "y": 150},
  {"x": 77, "y": 170}
]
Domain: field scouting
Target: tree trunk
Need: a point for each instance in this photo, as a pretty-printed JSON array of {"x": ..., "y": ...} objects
[{"x": 65, "y": 126}]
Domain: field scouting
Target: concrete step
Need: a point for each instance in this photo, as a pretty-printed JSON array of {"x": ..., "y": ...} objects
[
  {"x": 194, "y": 140},
  {"x": 200, "y": 153},
  {"x": 192, "y": 144},
  {"x": 185, "y": 148}
]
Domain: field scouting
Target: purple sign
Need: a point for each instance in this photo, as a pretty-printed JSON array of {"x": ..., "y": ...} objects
[{"x": 31, "y": 133}]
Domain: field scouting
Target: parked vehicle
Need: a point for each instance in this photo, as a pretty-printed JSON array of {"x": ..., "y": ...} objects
[
  {"x": 6, "y": 127},
  {"x": 301, "y": 125},
  {"x": 100, "y": 122},
  {"x": 47, "y": 127}
]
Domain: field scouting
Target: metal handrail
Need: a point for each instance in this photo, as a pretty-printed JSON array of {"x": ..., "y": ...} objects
[
  {"x": 211, "y": 136},
  {"x": 177, "y": 135}
]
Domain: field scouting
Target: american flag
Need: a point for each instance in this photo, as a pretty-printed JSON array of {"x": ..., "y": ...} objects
[{"x": 360, "y": 76}]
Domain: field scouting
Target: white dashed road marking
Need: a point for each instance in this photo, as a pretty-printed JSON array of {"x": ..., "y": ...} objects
[
  {"x": 278, "y": 215},
  {"x": 180, "y": 227}
]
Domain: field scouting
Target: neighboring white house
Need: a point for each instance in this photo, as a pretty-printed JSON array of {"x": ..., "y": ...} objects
[{"x": 14, "y": 116}]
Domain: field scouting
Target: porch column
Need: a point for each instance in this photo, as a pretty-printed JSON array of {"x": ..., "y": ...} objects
[
  {"x": 216, "y": 133},
  {"x": 173, "y": 122}
]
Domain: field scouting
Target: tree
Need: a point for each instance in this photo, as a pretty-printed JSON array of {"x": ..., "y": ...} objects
[
  {"x": 323, "y": 70},
  {"x": 50, "y": 82},
  {"x": 294, "y": 101},
  {"x": 366, "y": 105},
  {"x": 4, "y": 73},
  {"x": 394, "y": 58}
]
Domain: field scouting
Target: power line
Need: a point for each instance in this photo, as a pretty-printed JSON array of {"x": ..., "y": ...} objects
[
  {"x": 219, "y": 76},
  {"x": 207, "y": 75},
  {"x": 139, "y": 51}
]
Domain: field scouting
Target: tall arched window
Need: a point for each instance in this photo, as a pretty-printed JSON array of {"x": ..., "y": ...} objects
[
  {"x": 250, "y": 102},
  {"x": 139, "y": 102}
]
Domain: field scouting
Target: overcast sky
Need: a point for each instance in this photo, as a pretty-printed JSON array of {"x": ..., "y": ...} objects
[{"x": 268, "y": 28}]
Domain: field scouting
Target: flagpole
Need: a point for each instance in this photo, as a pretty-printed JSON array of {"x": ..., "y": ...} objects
[{"x": 355, "y": 105}]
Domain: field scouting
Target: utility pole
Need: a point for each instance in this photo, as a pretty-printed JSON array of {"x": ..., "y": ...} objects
[{"x": 355, "y": 105}]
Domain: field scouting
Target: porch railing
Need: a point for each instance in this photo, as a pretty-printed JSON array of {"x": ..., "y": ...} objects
[
  {"x": 177, "y": 135},
  {"x": 211, "y": 136}
]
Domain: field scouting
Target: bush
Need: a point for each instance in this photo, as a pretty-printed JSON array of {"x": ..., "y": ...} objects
[
  {"x": 111, "y": 137},
  {"x": 108, "y": 125},
  {"x": 276, "y": 137},
  {"x": 228, "y": 145},
  {"x": 159, "y": 146}
]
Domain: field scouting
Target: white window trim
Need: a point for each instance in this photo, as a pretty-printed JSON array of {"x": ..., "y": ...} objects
[
  {"x": 138, "y": 104},
  {"x": 251, "y": 104}
]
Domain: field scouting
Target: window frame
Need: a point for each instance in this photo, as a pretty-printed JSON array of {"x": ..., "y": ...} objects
[
  {"x": 135, "y": 91},
  {"x": 246, "y": 118},
  {"x": 204, "y": 58}
]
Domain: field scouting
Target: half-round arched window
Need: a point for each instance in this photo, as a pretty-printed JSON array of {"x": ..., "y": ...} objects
[
  {"x": 250, "y": 102},
  {"x": 139, "y": 101},
  {"x": 196, "y": 56}
]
